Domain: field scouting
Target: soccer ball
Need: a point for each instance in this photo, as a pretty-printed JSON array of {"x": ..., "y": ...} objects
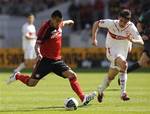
[{"x": 71, "y": 104}]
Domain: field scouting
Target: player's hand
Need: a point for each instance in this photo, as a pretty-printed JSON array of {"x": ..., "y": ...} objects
[
  {"x": 68, "y": 23},
  {"x": 94, "y": 42},
  {"x": 144, "y": 37},
  {"x": 71, "y": 23}
]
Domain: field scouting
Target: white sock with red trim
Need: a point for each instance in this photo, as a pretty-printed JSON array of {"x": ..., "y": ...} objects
[
  {"x": 20, "y": 67},
  {"x": 104, "y": 84},
  {"x": 123, "y": 81}
]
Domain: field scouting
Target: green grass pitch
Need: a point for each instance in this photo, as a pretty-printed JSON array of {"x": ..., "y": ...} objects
[{"x": 48, "y": 96}]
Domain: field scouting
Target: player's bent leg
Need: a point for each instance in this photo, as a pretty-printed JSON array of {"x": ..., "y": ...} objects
[
  {"x": 111, "y": 75},
  {"x": 26, "y": 79},
  {"x": 74, "y": 83},
  {"x": 122, "y": 64},
  {"x": 123, "y": 77},
  {"x": 76, "y": 87}
]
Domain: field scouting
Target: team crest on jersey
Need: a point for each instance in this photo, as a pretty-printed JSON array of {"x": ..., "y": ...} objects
[{"x": 56, "y": 33}]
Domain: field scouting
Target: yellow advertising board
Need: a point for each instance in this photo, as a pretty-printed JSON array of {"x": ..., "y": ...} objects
[{"x": 12, "y": 57}]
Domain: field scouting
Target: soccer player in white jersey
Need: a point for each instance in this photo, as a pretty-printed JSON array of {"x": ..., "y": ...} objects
[
  {"x": 121, "y": 34},
  {"x": 28, "y": 42}
]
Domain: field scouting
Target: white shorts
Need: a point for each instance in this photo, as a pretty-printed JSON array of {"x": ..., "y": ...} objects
[
  {"x": 29, "y": 53},
  {"x": 112, "y": 54}
]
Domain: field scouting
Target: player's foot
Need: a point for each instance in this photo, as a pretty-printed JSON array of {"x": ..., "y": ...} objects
[
  {"x": 100, "y": 97},
  {"x": 125, "y": 97},
  {"x": 12, "y": 78},
  {"x": 118, "y": 81},
  {"x": 89, "y": 97}
]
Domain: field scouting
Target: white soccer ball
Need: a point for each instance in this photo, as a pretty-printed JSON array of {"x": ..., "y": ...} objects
[{"x": 71, "y": 104}]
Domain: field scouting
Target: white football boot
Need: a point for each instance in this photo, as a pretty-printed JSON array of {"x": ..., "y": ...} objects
[
  {"x": 89, "y": 97},
  {"x": 12, "y": 78}
]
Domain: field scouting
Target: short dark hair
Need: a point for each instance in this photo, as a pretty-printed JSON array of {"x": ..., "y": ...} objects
[
  {"x": 29, "y": 14},
  {"x": 57, "y": 13},
  {"x": 125, "y": 13}
]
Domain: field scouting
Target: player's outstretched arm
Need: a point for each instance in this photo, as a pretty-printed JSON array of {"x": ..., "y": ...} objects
[
  {"x": 94, "y": 33},
  {"x": 68, "y": 22},
  {"x": 134, "y": 36}
]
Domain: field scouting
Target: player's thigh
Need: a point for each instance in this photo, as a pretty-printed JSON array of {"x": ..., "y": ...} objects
[
  {"x": 41, "y": 69},
  {"x": 116, "y": 57},
  {"x": 61, "y": 69},
  {"x": 69, "y": 73}
]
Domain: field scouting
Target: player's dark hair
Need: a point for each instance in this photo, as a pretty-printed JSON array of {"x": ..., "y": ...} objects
[
  {"x": 57, "y": 13},
  {"x": 125, "y": 13},
  {"x": 29, "y": 14}
]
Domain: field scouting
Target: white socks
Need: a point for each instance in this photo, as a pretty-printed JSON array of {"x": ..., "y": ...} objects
[
  {"x": 104, "y": 85},
  {"x": 123, "y": 81},
  {"x": 20, "y": 67}
]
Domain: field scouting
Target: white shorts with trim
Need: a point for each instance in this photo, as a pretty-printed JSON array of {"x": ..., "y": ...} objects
[
  {"x": 112, "y": 54},
  {"x": 29, "y": 53}
]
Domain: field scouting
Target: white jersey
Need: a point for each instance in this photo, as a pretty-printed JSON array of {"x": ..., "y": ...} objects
[
  {"x": 117, "y": 36},
  {"x": 28, "y": 30},
  {"x": 117, "y": 44}
]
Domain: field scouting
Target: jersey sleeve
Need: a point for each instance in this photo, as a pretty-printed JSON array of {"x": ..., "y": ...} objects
[
  {"x": 106, "y": 23},
  {"x": 134, "y": 32}
]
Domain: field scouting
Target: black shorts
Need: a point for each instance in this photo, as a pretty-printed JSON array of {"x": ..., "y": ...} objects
[
  {"x": 45, "y": 66},
  {"x": 147, "y": 47}
]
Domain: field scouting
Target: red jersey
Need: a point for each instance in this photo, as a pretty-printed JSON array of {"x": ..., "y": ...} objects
[{"x": 50, "y": 40}]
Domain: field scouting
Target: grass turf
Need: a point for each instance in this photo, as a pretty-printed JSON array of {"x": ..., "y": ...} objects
[{"x": 48, "y": 96}]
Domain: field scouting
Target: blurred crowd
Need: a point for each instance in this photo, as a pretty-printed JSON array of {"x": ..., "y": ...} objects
[
  {"x": 136, "y": 6},
  {"x": 86, "y": 11},
  {"x": 81, "y": 11},
  {"x": 23, "y": 7}
]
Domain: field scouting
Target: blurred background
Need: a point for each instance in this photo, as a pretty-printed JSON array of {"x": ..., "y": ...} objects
[{"x": 77, "y": 50}]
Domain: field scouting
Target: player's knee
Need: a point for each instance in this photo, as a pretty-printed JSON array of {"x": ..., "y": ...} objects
[
  {"x": 111, "y": 78},
  {"x": 73, "y": 76},
  {"x": 32, "y": 83},
  {"x": 124, "y": 66}
]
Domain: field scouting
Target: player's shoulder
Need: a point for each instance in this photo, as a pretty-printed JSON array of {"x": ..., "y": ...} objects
[
  {"x": 131, "y": 24},
  {"x": 25, "y": 24},
  {"x": 106, "y": 21},
  {"x": 45, "y": 23}
]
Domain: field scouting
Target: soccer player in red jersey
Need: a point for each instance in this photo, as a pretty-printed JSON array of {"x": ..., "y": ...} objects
[{"x": 48, "y": 51}]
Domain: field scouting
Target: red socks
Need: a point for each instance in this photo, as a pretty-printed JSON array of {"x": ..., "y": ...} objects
[
  {"x": 23, "y": 78},
  {"x": 76, "y": 87}
]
